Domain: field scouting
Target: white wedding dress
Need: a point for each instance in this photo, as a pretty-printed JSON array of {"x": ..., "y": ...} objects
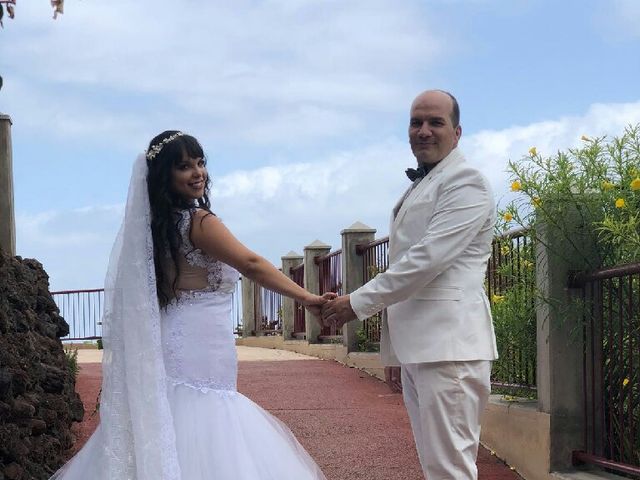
[{"x": 219, "y": 433}]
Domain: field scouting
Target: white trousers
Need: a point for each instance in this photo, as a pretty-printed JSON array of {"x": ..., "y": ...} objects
[{"x": 445, "y": 402}]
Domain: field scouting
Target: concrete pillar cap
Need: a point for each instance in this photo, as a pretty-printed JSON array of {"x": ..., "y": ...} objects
[
  {"x": 291, "y": 256},
  {"x": 317, "y": 244},
  {"x": 358, "y": 227},
  {"x": 4, "y": 116}
]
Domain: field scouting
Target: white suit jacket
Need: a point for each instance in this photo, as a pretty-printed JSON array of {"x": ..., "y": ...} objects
[{"x": 439, "y": 243}]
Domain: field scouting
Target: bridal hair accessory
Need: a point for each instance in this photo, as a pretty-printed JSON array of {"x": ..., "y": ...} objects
[{"x": 155, "y": 149}]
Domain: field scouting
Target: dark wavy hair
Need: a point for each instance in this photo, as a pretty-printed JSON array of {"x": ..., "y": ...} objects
[{"x": 165, "y": 203}]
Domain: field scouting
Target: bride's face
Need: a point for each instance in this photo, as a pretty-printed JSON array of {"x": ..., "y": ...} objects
[{"x": 189, "y": 177}]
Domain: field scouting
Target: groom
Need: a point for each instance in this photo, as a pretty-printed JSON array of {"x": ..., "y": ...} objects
[{"x": 438, "y": 324}]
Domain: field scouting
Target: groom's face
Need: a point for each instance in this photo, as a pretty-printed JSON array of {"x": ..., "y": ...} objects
[{"x": 432, "y": 134}]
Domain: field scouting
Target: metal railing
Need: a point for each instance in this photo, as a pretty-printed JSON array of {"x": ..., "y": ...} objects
[
  {"x": 510, "y": 273},
  {"x": 511, "y": 261},
  {"x": 82, "y": 310},
  {"x": 268, "y": 311},
  {"x": 236, "y": 309},
  {"x": 375, "y": 260},
  {"x": 330, "y": 277},
  {"x": 510, "y": 285},
  {"x": 611, "y": 368},
  {"x": 299, "y": 326}
]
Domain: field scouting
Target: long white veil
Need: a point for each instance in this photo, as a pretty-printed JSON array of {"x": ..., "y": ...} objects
[{"x": 134, "y": 410}]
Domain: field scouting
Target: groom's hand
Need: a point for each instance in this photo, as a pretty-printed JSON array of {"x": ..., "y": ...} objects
[
  {"x": 338, "y": 312},
  {"x": 315, "y": 306}
]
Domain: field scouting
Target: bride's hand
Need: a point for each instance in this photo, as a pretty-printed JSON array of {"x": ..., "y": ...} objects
[
  {"x": 329, "y": 296},
  {"x": 314, "y": 303}
]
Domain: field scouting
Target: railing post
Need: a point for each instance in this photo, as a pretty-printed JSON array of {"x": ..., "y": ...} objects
[
  {"x": 559, "y": 335},
  {"x": 312, "y": 284},
  {"x": 290, "y": 260},
  {"x": 248, "y": 307},
  {"x": 353, "y": 274},
  {"x": 7, "y": 215}
]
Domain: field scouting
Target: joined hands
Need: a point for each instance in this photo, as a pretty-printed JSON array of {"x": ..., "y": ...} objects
[
  {"x": 337, "y": 312},
  {"x": 331, "y": 309},
  {"x": 315, "y": 304}
]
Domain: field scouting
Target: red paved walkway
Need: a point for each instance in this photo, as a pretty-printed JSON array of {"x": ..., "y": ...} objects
[{"x": 351, "y": 423}]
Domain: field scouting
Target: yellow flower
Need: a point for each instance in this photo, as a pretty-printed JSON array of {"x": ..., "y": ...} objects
[
  {"x": 606, "y": 185},
  {"x": 533, "y": 151},
  {"x": 620, "y": 203},
  {"x": 507, "y": 217},
  {"x": 536, "y": 202},
  {"x": 505, "y": 250},
  {"x": 625, "y": 382},
  {"x": 635, "y": 184},
  {"x": 515, "y": 186},
  {"x": 527, "y": 263},
  {"x": 497, "y": 298},
  {"x": 584, "y": 138}
]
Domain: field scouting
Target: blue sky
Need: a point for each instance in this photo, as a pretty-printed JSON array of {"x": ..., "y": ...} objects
[{"x": 301, "y": 105}]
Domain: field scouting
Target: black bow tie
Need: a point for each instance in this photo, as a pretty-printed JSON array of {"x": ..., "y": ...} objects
[
  {"x": 415, "y": 173},
  {"x": 422, "y": 170}
]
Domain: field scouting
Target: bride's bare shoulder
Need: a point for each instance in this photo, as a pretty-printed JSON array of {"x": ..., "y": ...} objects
[{"x": 201, "y": 214}]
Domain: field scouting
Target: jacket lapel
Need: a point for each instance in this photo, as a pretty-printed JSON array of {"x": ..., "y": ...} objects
[
  {"x": 454, "y": 157},
  {"x": 396, "y": 208}
]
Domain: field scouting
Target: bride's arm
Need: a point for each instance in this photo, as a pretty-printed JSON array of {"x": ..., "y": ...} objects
[{"x": 209, "y": 234}]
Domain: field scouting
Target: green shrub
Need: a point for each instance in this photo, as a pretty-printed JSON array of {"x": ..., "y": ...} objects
[
  {"x": 589, "y": 197},
  {"x": 364, "y": 343},
  {"x": 71, "y": 355},
  {"x": 599, "y": 182}
]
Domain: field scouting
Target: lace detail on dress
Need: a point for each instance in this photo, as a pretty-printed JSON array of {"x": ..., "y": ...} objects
[
  {"x": 206, "y": 386},
  {"x": 195, "y": 256},
  {"x": 199, "y": 349},
  {"x": 174, "y": 344},
  {"x": 187, "y": 297}
]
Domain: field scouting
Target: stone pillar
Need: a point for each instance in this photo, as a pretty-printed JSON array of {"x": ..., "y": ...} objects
[
  {"x": 353, "y": 274},
  {"x": 248, "y": 307},
  {"x": 559, "y": 333},
  {"x": 312, "y": 284},
  {"x": 7, "y": 215},
  {"x": 290, "y": 260}
]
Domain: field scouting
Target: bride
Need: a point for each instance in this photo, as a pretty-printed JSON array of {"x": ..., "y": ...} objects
[{"x": 169, "y": 408}]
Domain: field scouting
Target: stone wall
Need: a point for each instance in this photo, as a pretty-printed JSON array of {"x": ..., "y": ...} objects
[{"x": 38, "y": 402}]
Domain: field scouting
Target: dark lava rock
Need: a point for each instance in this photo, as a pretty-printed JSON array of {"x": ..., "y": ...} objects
[{"x": 38, "y": 402}]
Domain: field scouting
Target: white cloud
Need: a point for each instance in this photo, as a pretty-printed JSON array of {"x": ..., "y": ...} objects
[
  {"x": 620, "y": 19},
  {"x": 628, "y": 14},
  {"x": 491, "y": 150},
  {"x": 257, "y": 70},
  {"x": 300, "y": 123},
  {"x": 72, "y": 245},
  {"x": 279, "y": 208},
  {"x": 65, "y": 116}
]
